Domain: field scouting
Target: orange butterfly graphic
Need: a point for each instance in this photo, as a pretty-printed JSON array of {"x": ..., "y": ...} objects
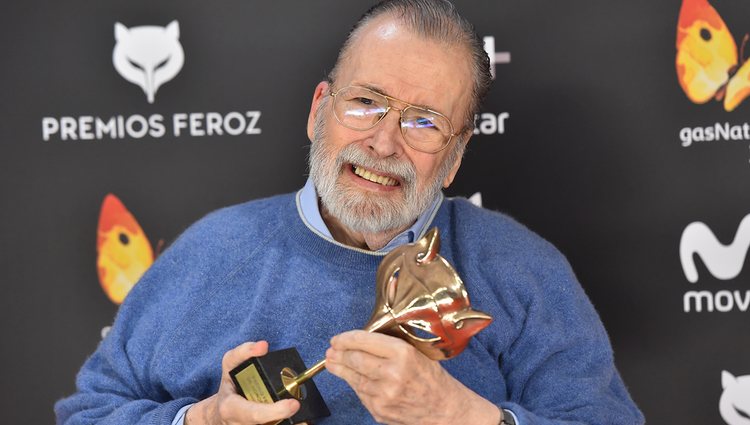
[
  {"x": 707, "y": 60},
  {"x": 123, "y": 250}
]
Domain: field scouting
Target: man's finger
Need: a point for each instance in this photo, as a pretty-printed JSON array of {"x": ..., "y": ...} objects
[
  {"x": 244, "y": 411},
  {"x": 242, "y": 352},
  {"x": 362, "y": 362},
  {"x": 359, "y": 382},
  {"x": 377, "y": 344}
]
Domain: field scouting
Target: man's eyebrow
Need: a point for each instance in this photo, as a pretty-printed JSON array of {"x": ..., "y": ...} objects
[
  {"x": 379, "y": 90},
  {"x": 374, "y": 88}
]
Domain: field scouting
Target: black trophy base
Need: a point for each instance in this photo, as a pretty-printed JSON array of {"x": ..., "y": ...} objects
[{"x": 259, "y": 379}]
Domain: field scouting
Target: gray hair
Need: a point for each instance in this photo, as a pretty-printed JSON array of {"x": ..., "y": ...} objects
[{"x": 436, "y": 20}]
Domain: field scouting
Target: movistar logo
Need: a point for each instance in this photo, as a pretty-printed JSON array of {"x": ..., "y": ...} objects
[{"x": 722, "y": 261}]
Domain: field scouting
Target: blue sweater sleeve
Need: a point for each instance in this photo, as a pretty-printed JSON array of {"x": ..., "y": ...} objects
[
  {"x": 113, "y": 386},
  {"x": 142, "y": 372},
  {"x": 560, "y": 369},
  {"x": 554, "y": 355},
  {"x": 106, "y": 398},
  {"x": 118, "y": 383}
]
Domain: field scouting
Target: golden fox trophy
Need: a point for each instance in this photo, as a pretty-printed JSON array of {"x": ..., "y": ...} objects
[{"x": 419, "y": 298}]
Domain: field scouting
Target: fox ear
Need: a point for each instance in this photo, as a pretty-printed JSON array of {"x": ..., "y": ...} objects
[
  {"x": 430, "y": 246},
  {"x": 120, "y": 31},
  {"x": 173, "y": 30},
  {"x": 727, "y": 379},
  {"x": 471, "y": 317}
]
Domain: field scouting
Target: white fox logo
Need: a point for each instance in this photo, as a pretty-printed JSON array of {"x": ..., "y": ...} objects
[
  {"x": 476, "y": 199},
  {"x": 734, "y": 404},
  {"x": 148, "y": 56},
  {"x": 723, "y": 261}
]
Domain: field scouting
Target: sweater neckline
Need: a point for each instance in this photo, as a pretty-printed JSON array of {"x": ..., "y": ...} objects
[{"x": 327, "y": 249}]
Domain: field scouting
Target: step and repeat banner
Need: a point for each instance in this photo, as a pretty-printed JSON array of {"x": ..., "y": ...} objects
[{"x": 617, "y": 130}]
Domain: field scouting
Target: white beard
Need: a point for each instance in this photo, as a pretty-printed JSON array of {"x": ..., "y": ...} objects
[{"x": 361, "y": 211}]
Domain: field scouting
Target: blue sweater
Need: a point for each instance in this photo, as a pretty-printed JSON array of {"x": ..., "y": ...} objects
[{"x": 256, "y": 271}]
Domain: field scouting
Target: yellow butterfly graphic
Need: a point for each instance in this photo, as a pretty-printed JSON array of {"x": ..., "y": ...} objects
[
  {"x": 707, "y": 60},
  {"x": 123, "y": 250}
]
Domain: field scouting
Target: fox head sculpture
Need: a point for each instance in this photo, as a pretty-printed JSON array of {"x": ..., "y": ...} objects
[
  {"x": 148, "y": 56},
  {"x": 421, "y": 299}
]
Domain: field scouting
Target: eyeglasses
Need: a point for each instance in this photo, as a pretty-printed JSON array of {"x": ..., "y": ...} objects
[{"x": 359, "y": 108}]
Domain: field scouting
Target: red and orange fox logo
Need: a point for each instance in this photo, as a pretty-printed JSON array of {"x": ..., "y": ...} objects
[
  {"x": 123, "y": 250},
  {"x": 708, "y": 66}
]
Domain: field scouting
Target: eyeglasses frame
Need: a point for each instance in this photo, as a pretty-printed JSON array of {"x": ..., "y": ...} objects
[{"x": 401, "y": 115}]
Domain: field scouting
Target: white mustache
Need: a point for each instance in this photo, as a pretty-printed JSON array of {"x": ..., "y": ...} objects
[{"x": 403, "y": 170}]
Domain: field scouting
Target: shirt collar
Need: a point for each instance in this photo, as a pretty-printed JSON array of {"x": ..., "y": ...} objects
[{"x": 308, "y": 197}]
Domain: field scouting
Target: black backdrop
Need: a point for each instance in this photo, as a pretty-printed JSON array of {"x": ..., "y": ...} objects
[{"x": 590, "y": 157}]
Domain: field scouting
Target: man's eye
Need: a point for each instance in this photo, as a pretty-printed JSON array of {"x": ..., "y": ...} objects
[
  {"x": 424, "y": 122},
  {"x": 365, "y": 101}
]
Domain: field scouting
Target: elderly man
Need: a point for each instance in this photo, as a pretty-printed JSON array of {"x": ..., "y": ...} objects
[{"x": 388, "y": 131}]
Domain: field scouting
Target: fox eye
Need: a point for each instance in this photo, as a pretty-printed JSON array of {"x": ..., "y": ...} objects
[
  {"x": 420, "y": 329},
  {"x": 421, "y": 333},
  {"x": 459, "y": 324},
  {"x": 162, "y": 63},
  {"x": 741, "y": 413},
  {"x": 705, "y": 34},
  {"x": 135, "y": 64}
]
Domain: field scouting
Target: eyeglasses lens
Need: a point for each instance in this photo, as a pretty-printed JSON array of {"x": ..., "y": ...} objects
[{"x": 361, "y": 109}]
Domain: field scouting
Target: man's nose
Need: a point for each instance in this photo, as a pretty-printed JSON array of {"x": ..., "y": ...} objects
[{"x": 387, "y": 139}]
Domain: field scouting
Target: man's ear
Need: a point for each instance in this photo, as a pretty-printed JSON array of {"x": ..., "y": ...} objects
[
  {"x": 466, "y": 135},
  {"x": 320, "y": 92}
]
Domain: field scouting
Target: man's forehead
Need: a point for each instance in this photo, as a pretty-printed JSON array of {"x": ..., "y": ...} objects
[
  {"x": 388, "y": 57},
  {"x": 386, "y": 29}
]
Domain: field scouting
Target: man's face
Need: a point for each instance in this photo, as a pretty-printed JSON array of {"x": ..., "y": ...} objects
[{"x": 372, "y": 181}]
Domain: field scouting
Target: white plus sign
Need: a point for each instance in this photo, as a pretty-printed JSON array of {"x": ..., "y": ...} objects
[{"x": 495, "y": 57}]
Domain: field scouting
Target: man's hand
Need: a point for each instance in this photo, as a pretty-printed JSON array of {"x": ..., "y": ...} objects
[
  {"x": 227, "y": 407},
  {"x": 400, "y": 385}
]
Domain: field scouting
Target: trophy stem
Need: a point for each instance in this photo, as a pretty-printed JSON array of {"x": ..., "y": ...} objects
[
  {"x": 292, "y": 382},
  {"x": 309, "y": 373},
  {"x": 383, "y": 321}
]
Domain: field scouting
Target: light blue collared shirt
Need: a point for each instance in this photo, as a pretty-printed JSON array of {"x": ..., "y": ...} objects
[{"x": 308, "y": 198}]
